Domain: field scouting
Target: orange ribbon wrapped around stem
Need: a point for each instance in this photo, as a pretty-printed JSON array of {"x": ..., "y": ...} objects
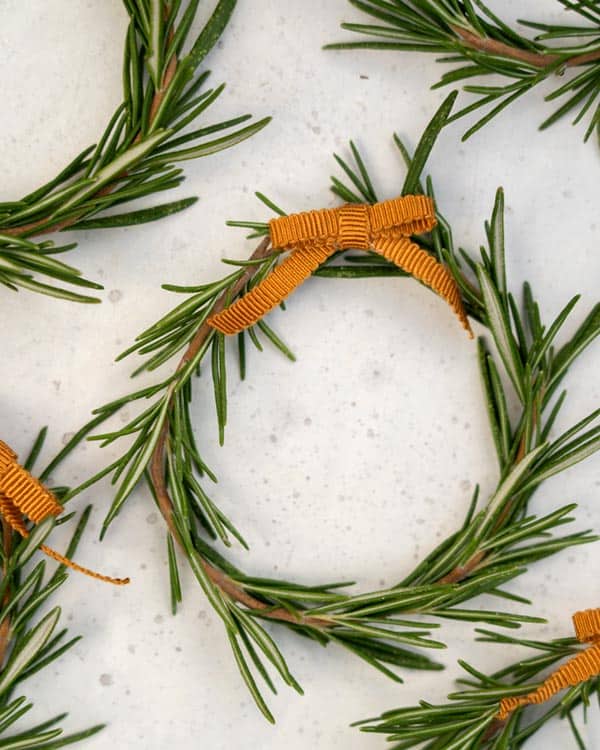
[
  {"x": 21, "y": 495},
  {"x": 580, "y": 668},
  {"x": 312, "y": 237}
]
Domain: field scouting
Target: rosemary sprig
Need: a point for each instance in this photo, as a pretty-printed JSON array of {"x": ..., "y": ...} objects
[
  {"x": 31, "y": 640},
  {"x": 468, "y": 35},
  {"x": 499, "y": 537},
  {"x": 468, "y": 721},
  {"x": 135, "y": 157}
]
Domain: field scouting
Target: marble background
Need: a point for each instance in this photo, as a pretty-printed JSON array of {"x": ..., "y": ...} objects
[{"x": 348, "y": 464}]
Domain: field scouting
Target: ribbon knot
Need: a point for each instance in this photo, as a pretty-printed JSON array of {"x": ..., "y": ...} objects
[
  {"x": 23, "y": 495},
  {"x": 580, "y": 668},
  {"x": 355, "y": 227},
  {"x": 313, "y": 236}
]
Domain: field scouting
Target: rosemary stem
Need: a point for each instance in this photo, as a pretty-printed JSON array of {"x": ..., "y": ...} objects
[
  {"x": 7, "y": 540},
  {"x": 461, "y": 572},
  {"x": 41, "y": 227},
  {"x": 536, "y": 59},
  {"x": 157, "y": 475}
]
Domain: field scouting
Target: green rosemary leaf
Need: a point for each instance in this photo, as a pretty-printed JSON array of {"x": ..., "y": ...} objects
[
  {"x": 501, "y": 331},
  {"x": 270, "y": 204},
  {"x": 136, "y": 469},
  {"x": 71, "y": 739},
  {"x": 71, "y": 169},
  {"x": 35, "y": 601},
  {"x": 155, "y": 47},
  {"x": 512, "y": 484},
  {"x": 209, "y": 147},
  {"x": 256, "y": 660},
  {"x": 29, "y": 546},
  {"x": 426, "y": 143},
  {"x": 492, "y": 406},
  {"x": 36, "y": 448},
  {"x": 121, "y": 164},
  {"x": 26, "y": 282},
  {"x": 553, "y": 330},
  {"x": 176, "y": 595},
  {"x": 211, "y": 32},
  {"x": 249, "y": 679},
  {"x": 268, "y": 647},
  {"x": 28, "y": 648},
  {"x": 48, "y": 655},
  {"x": 549, "y": 468},
  {"x": 276, "y": 341},
  {"x": 241, "y": 339},
  {"x": 495, "y": 231},
  {"x": 194, "y": 135},
  {"x": 134, "y": 217},
  {"x": 359, "y": 271},
  {"x": 358, "y": 183},
  {"x": 34, "y": 579},
  {"x": 584, "y": 336},
  {"x": 12, "y": 712},
  {"x": 219, "y": 383}
]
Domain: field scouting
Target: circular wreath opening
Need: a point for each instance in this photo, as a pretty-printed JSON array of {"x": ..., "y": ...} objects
[{"x": 341, "y": 442}]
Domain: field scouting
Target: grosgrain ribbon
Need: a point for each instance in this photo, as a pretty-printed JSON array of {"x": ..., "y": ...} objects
[
  {"x": 23, "y": 495},
  {"x": 580, "y": 668},
  {"x": 313, "y": 236}
]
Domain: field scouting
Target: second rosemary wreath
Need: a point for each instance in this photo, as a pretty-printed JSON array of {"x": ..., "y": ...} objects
[
  {"x": 32, "y": 637},
  {"x": 500, "y": 536},
  {"x": 499, "y": 60},
  {"x": 156, "y": 126},
  {"x": 471, "y": 719}
]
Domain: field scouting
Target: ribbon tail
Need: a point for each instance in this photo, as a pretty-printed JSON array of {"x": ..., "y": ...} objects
[
  {"x": 80, "y": 569},
  {"x": 260, "y": 300},
  {"x": 408, "y": 256},
  {"x": 14, "y": 518},
  {"x": 12, "y": 515}
]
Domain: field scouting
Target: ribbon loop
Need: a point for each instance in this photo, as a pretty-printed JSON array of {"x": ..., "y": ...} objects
[
  {"x": 30, "y": 496},
  {"x": 313, "y": 236},
  {"x": 309, "y": 227}
]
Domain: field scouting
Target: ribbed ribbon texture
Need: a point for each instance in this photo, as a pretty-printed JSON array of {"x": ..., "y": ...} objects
[
  {"x": 22, "y": 495},
  {"x": 312, "y": 237},
  {"x": 580, "y": 668}
]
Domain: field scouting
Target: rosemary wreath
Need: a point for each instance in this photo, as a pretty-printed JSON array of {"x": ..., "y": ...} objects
[
  {"x": 30, "y": 638},
  {"x": 469, "y": 721},
  {"x": 135, "y": 157},
  {"x": 499, "y": 538},
  {"x": 468, "y": 34}
]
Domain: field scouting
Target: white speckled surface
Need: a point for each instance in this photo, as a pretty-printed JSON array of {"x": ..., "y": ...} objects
[{"x": 346, "y": 465}]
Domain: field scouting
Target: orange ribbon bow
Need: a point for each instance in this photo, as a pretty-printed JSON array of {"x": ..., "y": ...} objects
[
  {"x": 580, "y": 668},
  {"x": 314, "y": 236},
  {"x": 23, "y": 495}
]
